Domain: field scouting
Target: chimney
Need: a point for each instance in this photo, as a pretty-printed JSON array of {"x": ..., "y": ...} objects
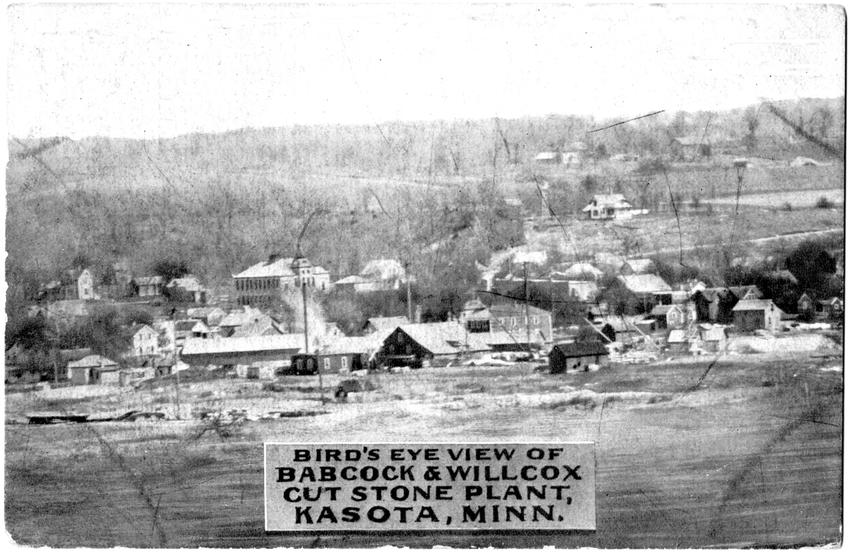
[
  {"x": 418, "y": 315},
  {"x": 273, "y": 257}
]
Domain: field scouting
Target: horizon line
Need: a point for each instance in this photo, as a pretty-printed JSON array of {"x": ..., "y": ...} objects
[{"x": 412, "y": 121}]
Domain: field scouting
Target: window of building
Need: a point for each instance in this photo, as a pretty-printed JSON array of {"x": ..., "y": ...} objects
[
  {"x": 343, "y": 362},
  {"x": 327, "y": 363}
]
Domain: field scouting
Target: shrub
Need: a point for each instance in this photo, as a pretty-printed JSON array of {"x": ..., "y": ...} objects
[
  {"x": 787, "y": 206},
  {"x": 824, "y": 203}
]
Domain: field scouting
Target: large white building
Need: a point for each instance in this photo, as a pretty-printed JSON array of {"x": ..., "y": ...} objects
[{"x": 271, "y": 280}]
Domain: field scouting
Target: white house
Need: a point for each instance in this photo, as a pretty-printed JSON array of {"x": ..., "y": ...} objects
[
  {"x": 145, "y": 340},
  {"x": 608, "y": 206}
]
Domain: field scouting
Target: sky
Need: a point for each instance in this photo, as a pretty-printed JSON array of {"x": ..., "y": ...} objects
[{"x": 158, "y": 70}]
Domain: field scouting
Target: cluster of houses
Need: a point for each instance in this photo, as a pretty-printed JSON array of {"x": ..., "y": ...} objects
[
  {"x": 79, "y": 284},
  {"x": 255, "y": 343},
  {"x": 259, "y": 284}
]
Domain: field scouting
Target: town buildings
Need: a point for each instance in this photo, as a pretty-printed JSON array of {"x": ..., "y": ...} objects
[
  {"x": 526, "y": 322},
  {"x": 278, "y": 349},
  {"x": 73, "y": 284},
  {"x": 269, "y": 281}
]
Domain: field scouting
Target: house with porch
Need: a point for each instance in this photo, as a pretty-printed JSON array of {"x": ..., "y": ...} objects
[
  {"x": 832, "y": 308},
  {"x": 608, "y": 206}
]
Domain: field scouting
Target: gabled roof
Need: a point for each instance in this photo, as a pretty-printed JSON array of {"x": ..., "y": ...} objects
[
  {"x": 616, "y": 201},
  {"x": 352, "y": 279},
  {"x": 753, "y": 305},
  {"x": 474, "y": 305},
  {"x": 579, "y": 270},
  {"x": 190, "y": 325},
  {"x": 831, "y": 301},
  {"x": 387, "y": 323},
  {"x": 190, "y": 283},
  {"x": 664, "y": 309},
  {"x": 641, "y": 265},
  {"x": 677, "y": 336},
  {"x": 741, "y": 291},
  {"x": 239, "y": 318},
  {"x": 279, "y": 267},
  {"x": 148, "y": 280},
  {"x": 644, "y": 284},
  {"x": 92, "y": 361},
  {"x": 516, "y": 310},
  {"x": 580, "y": 349},
  {"x": 249, "y": 344},
  {"x": 261, "y": 325},
  {"x": 444, "y": 338},
  {"x": 713, "y": 334},
  {"x": 383, "y": 269},
  {"x": 136, "y": 328}
]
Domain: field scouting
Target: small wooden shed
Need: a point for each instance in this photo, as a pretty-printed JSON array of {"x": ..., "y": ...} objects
[{"x": 577, "y": 356}]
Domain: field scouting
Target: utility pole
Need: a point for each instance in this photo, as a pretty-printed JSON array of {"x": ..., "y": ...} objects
[
  {"x": 409, "y": 294},
  {"x": 525, "y": 289},
  {"x": 176, "y": 364},
  {"x": 297, "y": 265}
]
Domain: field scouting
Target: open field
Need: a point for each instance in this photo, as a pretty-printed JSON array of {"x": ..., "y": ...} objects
[
  {"x": 805, "y": 199},
  {"x": 746, "y": 451},
  {"x": 660, "y": 232}
]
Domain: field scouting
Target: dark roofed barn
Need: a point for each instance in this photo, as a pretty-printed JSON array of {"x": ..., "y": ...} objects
[{"x": 577, "y": 356}]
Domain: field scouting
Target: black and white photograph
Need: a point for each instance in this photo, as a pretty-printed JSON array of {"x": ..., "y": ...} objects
[{"x": 367, "y": 274}]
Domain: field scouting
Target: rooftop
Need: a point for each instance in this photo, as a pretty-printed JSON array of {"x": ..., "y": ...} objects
[
  {"x": 581, "y": 349},
  {"x": 148, "y": 280},
  {"x": 644, "y": 284},
  {"x": 753, "y": 305},
  {"x": 92, "y": 361},
  {"x": 189, "y": 283},
  {"x": 387, "y": 323},
  {"x": 275, "y": 267},
  {"x": 617, "y": 201},
  {"x": 248, "y": 344}
]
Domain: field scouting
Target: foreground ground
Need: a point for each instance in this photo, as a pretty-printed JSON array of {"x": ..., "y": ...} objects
[{"x": 744, "y": 451}]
